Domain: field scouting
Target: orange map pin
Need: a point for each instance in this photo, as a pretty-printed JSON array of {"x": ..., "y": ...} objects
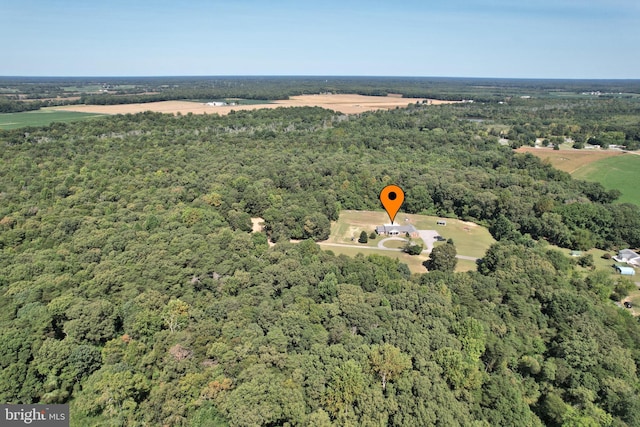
[{"x": 392, "y": 197}]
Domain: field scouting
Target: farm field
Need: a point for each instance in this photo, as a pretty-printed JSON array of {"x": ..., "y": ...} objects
[
  {"x": 570, "y": 161},
  {"x": 470, "y": 239},
  {"x": 41, "y": 117},
  {"x": 613, "y": 169},
  {"x": 619, "y": 172},
  {"x": 347, "y": 104}
]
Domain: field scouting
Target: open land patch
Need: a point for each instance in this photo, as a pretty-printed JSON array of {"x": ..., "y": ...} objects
[
  {"x": 614, "y": 169},
  {"x": 620, "y": 173},
  {"x": 42, "y": 117},
  {"x": 471, "y": 240},
  {"x": 570, "y": 160},
  {"x": 347, "y": 104},
  {"x": 634, "y": 299},
  {"x": 256, "y": 224}
]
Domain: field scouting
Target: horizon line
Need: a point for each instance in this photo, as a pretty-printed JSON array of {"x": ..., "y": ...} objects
[{"x": 332, "y": 76}]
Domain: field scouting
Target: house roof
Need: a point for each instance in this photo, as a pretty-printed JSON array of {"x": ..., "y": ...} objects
[
  {"x": 387, "y": 228},
  {"x": 628, "y": 253},
  {"x": 628, "y": 256}
]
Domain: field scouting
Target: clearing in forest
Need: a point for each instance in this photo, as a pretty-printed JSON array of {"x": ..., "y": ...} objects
[
  {"x": 620, "y": 172},
  {"x": 471, "y": 240},
  {"x": 614, "y": 169},
  {"x": 570, "y": 160}
]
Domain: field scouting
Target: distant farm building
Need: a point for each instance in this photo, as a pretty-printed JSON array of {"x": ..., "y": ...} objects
[
  {"x": 219, "y": 103},
  {"x": 628, "y": 256},
  {"x": 396, "y": 230},
  {"x": 625, "y": 271}
]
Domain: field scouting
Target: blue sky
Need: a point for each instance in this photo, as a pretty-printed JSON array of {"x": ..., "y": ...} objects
[{"x": 452, "y": 38}]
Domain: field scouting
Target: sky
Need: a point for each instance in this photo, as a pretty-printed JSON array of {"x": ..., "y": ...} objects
[{"x": 575, "y": 39}]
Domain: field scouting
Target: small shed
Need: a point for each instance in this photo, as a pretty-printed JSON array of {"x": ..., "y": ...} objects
[{"x": 625, "y": 271}]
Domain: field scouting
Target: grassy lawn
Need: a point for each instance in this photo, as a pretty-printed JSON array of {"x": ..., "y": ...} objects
[
  {"x": 395, "y": 244},
  {"x": 351, "y": 223},
  {"x": 599, "y": 262},
  {"x": 40, "y": 117},
  {"x": 414, "y": 262},
  {"x": 466, "y": 265},
  {"x": 619, "y": 172},
  {"x": 470, "y": 239},
  {"x": 634, "y": 298}
]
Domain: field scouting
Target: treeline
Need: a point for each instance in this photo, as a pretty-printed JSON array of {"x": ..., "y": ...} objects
[
  {"x": 597, "y": 122},
  {"x": 14, "y": 106},
  {"x": 123, "y": 90},
  {"x": 132, "y": 287}
]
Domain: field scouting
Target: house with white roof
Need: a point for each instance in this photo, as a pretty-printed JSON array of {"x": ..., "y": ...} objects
[
  {"x": 625, "y": 271},
  {"x": 628, "y": 256},
  {"x": 396, "y": 230}
]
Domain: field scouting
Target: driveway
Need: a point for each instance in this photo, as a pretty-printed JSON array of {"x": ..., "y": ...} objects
[
  {"x": 428, "y": 237},
  {"x": 381, "y": 242}
]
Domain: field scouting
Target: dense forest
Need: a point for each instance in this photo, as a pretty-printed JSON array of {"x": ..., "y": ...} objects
[{"x": 133, "y": 288}]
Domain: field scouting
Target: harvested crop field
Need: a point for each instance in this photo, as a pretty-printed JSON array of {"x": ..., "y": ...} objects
[
  {"x": 347, "y": 104},
  {"x": 570, "y": 160}
]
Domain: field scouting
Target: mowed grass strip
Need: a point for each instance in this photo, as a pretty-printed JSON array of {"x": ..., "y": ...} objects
[
  {"x": 470, "y": 239},
  {"x": 413, "y": 262},
  {"x": 41, "y": 117},
  {"x": 620, "y": 172}
]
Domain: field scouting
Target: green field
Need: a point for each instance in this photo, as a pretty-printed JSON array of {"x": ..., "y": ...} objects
[
  {"x": 618, "y": 172},
  {"x": 41, "y": 117},
  {"x": 470, "y": 239}
]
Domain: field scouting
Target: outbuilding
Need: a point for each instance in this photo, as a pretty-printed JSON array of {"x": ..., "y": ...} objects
[{"x": 625, "y": 271}]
